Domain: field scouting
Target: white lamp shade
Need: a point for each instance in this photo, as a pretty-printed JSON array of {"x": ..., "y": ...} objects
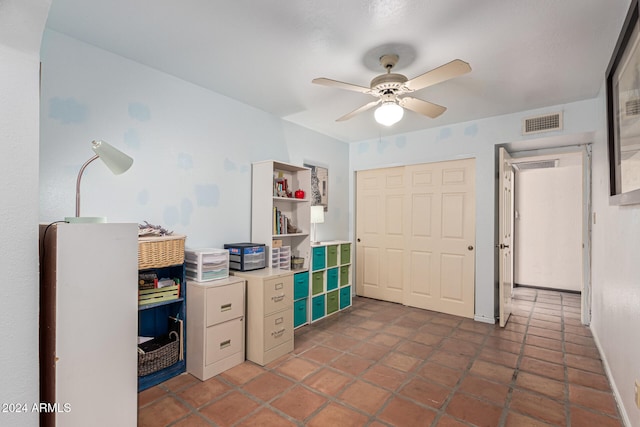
[
  {"x": 388, "y": 113},
  {"x": 317, "y": 214},
  {"x": 115, "y": 159}
]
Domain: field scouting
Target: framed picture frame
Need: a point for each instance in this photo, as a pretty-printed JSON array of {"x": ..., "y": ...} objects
[
  {"x": 623, "y": 113},
  {"x": 319, "y": 185}
]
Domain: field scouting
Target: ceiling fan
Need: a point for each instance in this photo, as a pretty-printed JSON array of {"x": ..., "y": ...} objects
[{"x": 390, "y": 87}]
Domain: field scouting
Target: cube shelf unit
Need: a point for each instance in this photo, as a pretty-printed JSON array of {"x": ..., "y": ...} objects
[
  {"x": 330, "y": 280},
  {"x": 266, "y": 203}
]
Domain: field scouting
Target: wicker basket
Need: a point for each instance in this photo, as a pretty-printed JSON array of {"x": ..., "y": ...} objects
[
  {"x": 156, "y": 252},
  {"x": 165, "y": 356}
]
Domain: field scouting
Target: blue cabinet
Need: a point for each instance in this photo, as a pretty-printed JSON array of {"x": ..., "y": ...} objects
[{"x": 157, "y": 319}]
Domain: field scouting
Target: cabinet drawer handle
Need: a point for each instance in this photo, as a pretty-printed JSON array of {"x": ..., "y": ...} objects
[
  {"x": 225, "y": 344},
  {"x": 225, "y": 307},
  {"x": 277, "y": 298},
  {"x": 278, "y": 333}
]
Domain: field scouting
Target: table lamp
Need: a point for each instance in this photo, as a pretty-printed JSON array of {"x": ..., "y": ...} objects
[
  {"x": 317, "y": 217},
  {"x": 116, "y": 161}
]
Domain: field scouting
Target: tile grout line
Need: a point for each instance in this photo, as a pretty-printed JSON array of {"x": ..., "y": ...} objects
[
  {"x": 567, "y": 408},
  {"x": 512, "y": 384}
]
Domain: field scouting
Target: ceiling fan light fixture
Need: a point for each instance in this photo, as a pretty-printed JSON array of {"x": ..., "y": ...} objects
[{"x": 389, "y": 113}]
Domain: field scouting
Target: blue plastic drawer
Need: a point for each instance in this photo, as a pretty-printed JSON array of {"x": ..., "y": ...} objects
[
  {"x": 300, "y": 285},
  {"x": 332, "y": 278},
  {"x": 300, "y": 312},
  {"x": 317, "y": 307},
  {"x": 318, "y": 258},
  {"x": 345, "y": 297}
]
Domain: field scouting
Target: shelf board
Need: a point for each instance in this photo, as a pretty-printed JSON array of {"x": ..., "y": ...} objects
[
  {"x": 289, "y": 199},
  {"x": 276, "y": 236},
  {"x": 158, "y": 304}
]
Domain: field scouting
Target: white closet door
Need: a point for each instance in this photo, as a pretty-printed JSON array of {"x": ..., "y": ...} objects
[{"x": 415, "y": 235}]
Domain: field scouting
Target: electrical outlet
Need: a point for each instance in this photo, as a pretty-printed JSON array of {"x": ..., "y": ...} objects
[{"x": 637, "y": 385}]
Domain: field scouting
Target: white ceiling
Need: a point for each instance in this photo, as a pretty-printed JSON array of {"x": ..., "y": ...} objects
[{"x": 524, "y": 54}]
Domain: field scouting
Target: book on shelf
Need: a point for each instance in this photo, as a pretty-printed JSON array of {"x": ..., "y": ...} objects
[{"x": 280, "y": 222}]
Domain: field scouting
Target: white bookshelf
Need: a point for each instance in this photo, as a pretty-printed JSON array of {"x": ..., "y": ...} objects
[{"x": 264, "y": 199}]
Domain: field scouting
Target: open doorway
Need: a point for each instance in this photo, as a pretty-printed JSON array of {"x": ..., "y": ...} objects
[
  {"x": 551, "y": 233},
  {"x": 548, "y": 205}
]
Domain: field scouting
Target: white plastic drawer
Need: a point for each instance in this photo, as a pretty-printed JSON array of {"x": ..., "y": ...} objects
[
  {"x": 223, "y": 340},
  {"x": 278, "y": 294},
  {"x": 225, "y": 303},
  {"x": 278, "y": 328}
]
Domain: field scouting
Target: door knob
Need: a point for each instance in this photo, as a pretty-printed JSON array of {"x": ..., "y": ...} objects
[
  {"x": 358, "y": 240},
  {"x": 470, "y": 247}
]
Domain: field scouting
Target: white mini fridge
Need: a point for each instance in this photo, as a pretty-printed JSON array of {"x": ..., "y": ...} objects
[{"x": 88, "y": 325}]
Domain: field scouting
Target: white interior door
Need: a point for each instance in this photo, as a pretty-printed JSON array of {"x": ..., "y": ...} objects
[
  {"x": 415, "y": 235},
  {"x": 505, "y": 231},
  {"x": 380, "y": 233},
  {"x": 440, "y": 237}
]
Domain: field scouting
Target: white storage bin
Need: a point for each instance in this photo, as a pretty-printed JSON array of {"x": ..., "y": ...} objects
[
  {"x": 285, "y": 258},
  {"x": 205, "y": 264}
]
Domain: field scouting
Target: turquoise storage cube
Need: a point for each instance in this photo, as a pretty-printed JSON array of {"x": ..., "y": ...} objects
[
  {"x": 300, "y": 285},
  {"x": 332, "y": 278},
  {"x": 318, "y": 258},
  {"x": 300, "y": 312},
  {"x": 317, "y": 307},
  {"x": 345, "y": 297}
]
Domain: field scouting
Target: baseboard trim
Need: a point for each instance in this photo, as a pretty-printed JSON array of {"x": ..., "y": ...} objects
[
  {"x": 484, "y": 319},
  {"x": 614, "y": 387}
]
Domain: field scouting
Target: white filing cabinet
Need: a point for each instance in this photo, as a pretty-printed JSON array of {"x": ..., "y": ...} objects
[
  {"x": 215, "y": 330},
  {"x": 269, "y": 313}
]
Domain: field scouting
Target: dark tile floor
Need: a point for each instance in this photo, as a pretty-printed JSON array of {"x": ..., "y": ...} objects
[{"x": 383, "y": 364}]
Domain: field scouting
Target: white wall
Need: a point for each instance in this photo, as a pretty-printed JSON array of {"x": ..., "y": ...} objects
[
  {"x": 615, "y": 278},
  {"x": 471, "y": 139},
  {"x": 548, "y": 230},
  {"x": 21, "y": 25},
  {"x": 192, "y": 148},
  {"x": 163, "y": 188}
]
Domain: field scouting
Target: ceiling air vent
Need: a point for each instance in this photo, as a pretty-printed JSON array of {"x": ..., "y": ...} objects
[
  {"x": 536, "y": 164},
  {"x": 632, "y": 107},
  {"x": 545, "y": 123}
]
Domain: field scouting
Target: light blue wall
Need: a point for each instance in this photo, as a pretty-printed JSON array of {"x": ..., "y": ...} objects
[
  {"x": 477, "y": 139},
  {"x": 192, "y": 148},
  {"x": 21, "y": 27}
]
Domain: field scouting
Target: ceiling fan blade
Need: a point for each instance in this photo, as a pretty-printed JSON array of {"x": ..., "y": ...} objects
[
  {"x": 358, "y": 110},
  {"x": 447, "y": 71},
  {"x": 341, "y": 85},
  {"x": 428, "y": 109}
]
